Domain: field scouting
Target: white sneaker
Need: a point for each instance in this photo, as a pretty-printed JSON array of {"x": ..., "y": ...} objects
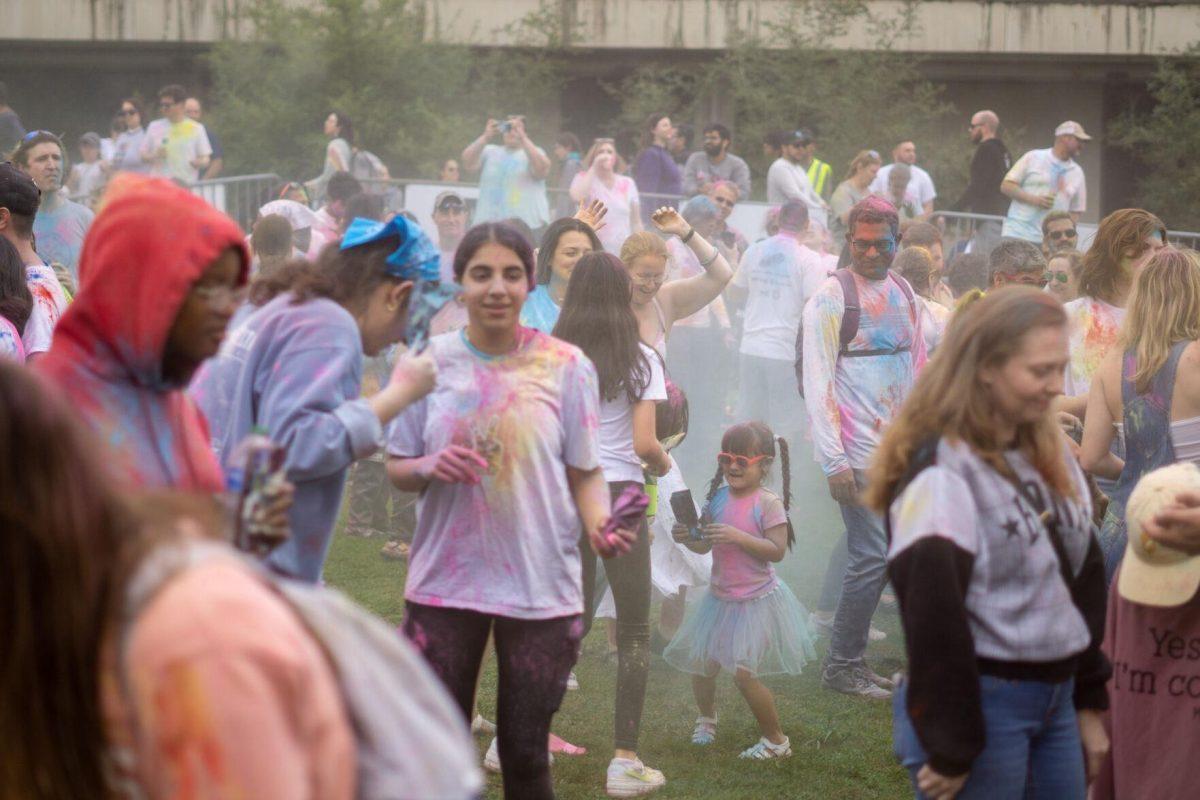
[
  {"x": 875, "y": 635},
  {"x": 491, "y": 759},
  {"x": 629, "y": 777},
  {"x": 482, "y": 727},
  {"x": 572, "y": 682},
  {"x": 765, "y": 750}
]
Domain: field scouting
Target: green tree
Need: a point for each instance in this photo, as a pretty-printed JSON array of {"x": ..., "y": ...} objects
[
  {"x": 412, "y": 102},
  {"x": 788, "y": 76},
  {"x": 1165, "y": 141}
]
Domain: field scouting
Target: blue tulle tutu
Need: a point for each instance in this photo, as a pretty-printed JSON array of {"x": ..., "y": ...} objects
[{"x": 768, "y": 635}]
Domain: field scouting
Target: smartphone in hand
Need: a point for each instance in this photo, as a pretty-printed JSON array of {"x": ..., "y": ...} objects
[{"x": 684, "y": 509}]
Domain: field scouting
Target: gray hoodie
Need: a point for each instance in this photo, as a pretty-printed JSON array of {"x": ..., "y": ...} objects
[{"x": 296, "y": 370}]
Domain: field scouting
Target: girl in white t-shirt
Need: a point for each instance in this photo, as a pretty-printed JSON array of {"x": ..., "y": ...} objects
[{"x": 596, "y": 317}]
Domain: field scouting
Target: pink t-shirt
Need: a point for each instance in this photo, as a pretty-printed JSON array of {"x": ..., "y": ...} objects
[
  {"x": 233, "y": 696},
  {"x": 737, "y": 575},
  {"x": 1154, "y": 700}
]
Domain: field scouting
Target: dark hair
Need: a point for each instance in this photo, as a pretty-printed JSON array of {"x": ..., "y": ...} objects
[
  {"x": 345, "y": 126},
  {"x": 545, "y": 253},
  {"x": 137, "y": 104},
  {"x": 920, "y": 234},
  {"x": 875, "y": 210},
  {"x": 20, "y": 156},
  {"x": 1055, "y": 216},
  {"x": 500, "y": 233},
  {"x": 686, "y": 132},
  {"x": 342, "y": 186},
  {"x": 347, "y": 277},
  {"x": 720, "y": 130},
  {"x": 756, "y": 439},
  {"x": 569, "y": 141},
  {"x": 648, "y": 128},
  {"x": 598, "y": 318},
  {"x": 365, "y": 205},
  {"x": 174, "y": 91},
  {"x": 1016, "y": 255},
  {"x": 522, "y": 227},
  {"x": 64, "y": 532},
  {"x": 966, "y": 272},
  {"x": 272, "y": 236},
  {"x": 16, "y": 303},
  {"x": 21, "y": 196}
]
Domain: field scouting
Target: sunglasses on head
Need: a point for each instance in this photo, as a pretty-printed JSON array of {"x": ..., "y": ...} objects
[
  {"x": 1069, "y": 233},
  {"x": 741, "y": 462},
  {"x": 34, "y": 134}
]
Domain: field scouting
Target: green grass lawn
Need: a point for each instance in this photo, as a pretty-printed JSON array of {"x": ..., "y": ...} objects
[{"x": 841, "y": 745}]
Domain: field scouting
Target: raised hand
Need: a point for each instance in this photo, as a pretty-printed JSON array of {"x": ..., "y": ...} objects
[
  {"x": 668, "y": 220},
  {"x": 592, "y": 213}
]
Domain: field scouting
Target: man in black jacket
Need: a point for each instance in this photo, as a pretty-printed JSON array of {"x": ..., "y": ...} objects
[{"x": 988, "y": 168}]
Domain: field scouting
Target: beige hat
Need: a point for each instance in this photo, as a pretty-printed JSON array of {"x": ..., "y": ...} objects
[
  {"x": 1070, "y": 128},
  {"x": 1153, "y": 574}
]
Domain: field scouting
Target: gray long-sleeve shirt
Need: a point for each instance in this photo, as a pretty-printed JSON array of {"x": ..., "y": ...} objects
[{"x": 700, "y": 170}]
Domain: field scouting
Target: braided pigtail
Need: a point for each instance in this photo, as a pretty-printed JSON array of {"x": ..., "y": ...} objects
[
  {"x": 713, "y": 486},
  {"x": 786, "y": 466}
]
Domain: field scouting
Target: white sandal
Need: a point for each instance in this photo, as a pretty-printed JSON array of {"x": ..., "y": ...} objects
[{"x": 705, "y": 731}]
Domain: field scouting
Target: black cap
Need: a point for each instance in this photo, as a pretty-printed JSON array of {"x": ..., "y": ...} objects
[
  {"x": 802, "y": 136},
  {"x": 18, "y": 193}
]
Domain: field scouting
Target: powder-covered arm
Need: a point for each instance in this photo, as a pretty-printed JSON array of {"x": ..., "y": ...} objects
[{"x": 822, "y": 323}]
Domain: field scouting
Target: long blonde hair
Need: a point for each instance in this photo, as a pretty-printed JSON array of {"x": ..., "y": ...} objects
[
  {"x": 949, "y": 399},
  {"x": 1164, "y": 309}
]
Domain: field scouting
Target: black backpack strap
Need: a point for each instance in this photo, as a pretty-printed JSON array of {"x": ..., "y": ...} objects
[
  {"x": 923, "y": 457},
  {"x": 852, "y": 314},
  {"x": 1049, "y": 522}
]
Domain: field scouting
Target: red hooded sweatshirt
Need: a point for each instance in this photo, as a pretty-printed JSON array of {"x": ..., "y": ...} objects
[{"x": 147, "y": 247}]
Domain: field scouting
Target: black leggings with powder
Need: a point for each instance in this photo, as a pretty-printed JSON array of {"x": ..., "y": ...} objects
[
  {"x": 629, "y": 578},
  {"x": 534, "y": 658}
]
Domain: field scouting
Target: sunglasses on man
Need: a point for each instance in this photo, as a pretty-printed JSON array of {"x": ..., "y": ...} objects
[{"x": 1069, "y": 233}]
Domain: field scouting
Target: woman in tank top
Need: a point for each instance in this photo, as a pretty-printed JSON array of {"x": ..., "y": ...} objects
[{"x": 1150, "y": 384}]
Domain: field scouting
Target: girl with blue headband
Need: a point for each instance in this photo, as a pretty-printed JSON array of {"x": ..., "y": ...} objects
[{"x": 294, "y": 367}]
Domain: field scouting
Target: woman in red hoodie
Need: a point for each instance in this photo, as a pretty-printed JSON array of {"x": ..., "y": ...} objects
[{"x": 161, "y": 273}]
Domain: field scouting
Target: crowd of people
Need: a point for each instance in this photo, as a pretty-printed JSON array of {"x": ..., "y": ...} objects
[{"x": 542, "y": 383}]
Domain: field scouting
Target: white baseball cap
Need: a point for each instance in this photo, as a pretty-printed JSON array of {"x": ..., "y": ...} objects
[
  {"x": 1071, "y": 128},
  {"x": 1153, "y": 574}
]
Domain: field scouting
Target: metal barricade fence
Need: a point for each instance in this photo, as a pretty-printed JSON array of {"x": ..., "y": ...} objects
[{"x": 239, "y": 196}]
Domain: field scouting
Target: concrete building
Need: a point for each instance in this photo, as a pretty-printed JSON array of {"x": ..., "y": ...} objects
[{"x": 67, "y": 62}]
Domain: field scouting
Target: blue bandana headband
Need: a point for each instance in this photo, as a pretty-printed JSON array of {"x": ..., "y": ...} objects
[{"x": 416, "y": 259}]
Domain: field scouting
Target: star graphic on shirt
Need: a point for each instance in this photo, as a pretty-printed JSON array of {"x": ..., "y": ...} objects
[{"x": 1010, "y": 527}]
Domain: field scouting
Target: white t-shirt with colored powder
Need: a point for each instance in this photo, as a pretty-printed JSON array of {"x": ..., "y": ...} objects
[
  {"x": 779, "y": 274},
  {"x": 508, "y": 545},
  {"x": 1039, "y": 172},
  {"x": 185, "y": 141},
  {"x": 617, "y": 456}
]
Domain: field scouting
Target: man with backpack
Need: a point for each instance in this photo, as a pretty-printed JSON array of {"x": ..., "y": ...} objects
[{"x": 862, "y": 347}]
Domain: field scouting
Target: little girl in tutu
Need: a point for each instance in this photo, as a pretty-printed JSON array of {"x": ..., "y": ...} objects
[{"x": 748, "y": 622}]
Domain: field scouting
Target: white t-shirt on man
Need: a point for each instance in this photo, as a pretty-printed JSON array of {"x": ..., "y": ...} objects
[
  {"x": 920, "y": 185},
  {"x": 185, "y": 141},
  {"x": 779, "y": 274}
]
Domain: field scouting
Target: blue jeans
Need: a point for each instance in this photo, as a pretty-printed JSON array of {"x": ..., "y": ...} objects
[
  {"x": 866, "y": 574},
  {"x": 1033, "y": 750}
]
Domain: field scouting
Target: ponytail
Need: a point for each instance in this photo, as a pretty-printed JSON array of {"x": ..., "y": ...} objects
[{"x": 714, "y": 485}]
